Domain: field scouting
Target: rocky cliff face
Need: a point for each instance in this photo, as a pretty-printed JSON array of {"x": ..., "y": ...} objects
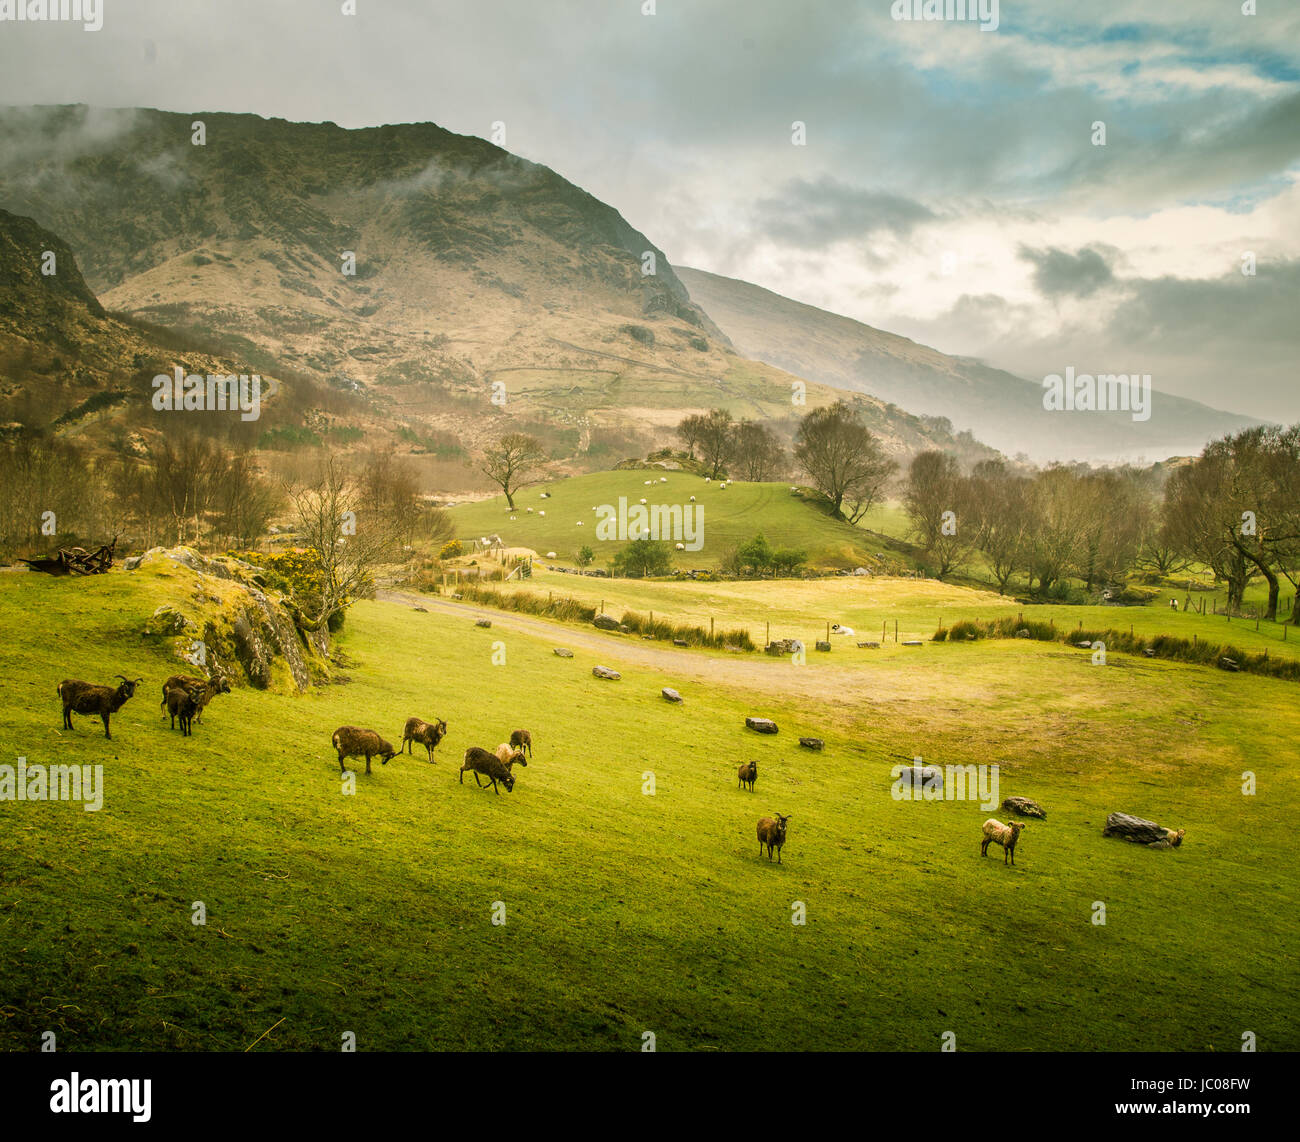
[{"x": 218, "y": 619}]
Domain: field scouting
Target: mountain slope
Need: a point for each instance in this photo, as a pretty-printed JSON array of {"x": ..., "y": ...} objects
[
  {"x": 998, "y": 407},
  {"x": 478, "y": 275}
]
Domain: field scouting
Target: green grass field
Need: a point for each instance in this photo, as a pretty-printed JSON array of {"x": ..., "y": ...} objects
[
  {"x": 627, "y": 912},
  {"x": 731, "y": 516}
]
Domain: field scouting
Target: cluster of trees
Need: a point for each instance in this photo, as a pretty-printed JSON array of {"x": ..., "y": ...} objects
[
  {"x": 751, "y": 450},
  {"x": 757, "y": 558},
  {"x": 1235, "y": 510},
  {"x": 840, "y": 455}
]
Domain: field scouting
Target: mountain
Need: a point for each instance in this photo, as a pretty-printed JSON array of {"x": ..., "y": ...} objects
[
  {"x": 69, "y": 368},
  {"x": 1004, "y": 410},
  {"x": 489, "y": 293}
]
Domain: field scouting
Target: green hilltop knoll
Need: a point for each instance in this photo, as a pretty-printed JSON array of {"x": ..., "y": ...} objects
[
  {"x": 728, "y": 516},
  {"x": 420, "y": 271}
]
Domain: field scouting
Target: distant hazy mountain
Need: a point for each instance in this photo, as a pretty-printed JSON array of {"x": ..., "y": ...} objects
[
  {"x": 1001, "y": 409},
  {"x": 477, "y": 274}
]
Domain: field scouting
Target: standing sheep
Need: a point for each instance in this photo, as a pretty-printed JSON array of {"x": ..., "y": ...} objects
[
  {"x": 89, "y": 698},
  {"x": 522, "y": 739},
  {"x": 748, "y": 774},
  {"x": 182, "y": 702},
  {"x": 204, "y": 690},
  {"x": 771, "y": 833},
  {"x": 352, "y": 741},
  {"x": 428, "y": 734},
  {"x": 489, "y": 765},
  {"x": 508, "y": 755},
  {"x": 996, "y": 833}
]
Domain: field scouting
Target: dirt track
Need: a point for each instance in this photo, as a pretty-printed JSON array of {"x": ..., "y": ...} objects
[{"x": 850, "y": 682}]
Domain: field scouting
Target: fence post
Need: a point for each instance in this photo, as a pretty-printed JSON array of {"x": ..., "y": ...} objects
[
  {"x": 884, "y": 627},
  {"x": 895, "y": 630},
  {"x": 710, "y": 626},
  {"x": 767, "y": 638}
]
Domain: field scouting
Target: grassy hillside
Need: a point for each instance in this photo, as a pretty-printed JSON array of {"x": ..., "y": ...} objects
[
  {"x": 625, "y": 912},
  {"x": 731, "y": 516}
]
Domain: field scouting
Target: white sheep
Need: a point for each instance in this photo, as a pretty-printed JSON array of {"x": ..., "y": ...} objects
[
  {"x": 530, "y": 510},
  {"x": 541, "y": 513},
  {"x": 836, "y": 628},
  {"x": 643, "y": 499},
  {"x": 663, "y": 479},
  {"x": 996, "y": 833},
  {"x": 692, "y": 499},
  {"x": 550, "y": 555},
  {"x": 681, "y": 547}
]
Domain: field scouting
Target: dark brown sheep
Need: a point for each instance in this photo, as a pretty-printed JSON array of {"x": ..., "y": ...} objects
[
  {"x": 182, "y": 702},
  {"x": 771, "y": 834},
  {"x": 748, "y": 774},
  {"x": 428, "y": 734},
  {"x": 490, "y": 766},
  {"x": 351, "y": 741},
  {"x": 205, "y": 689},
  {"x": 522, "y": 739},
  {"x": 90, "y": 698}
]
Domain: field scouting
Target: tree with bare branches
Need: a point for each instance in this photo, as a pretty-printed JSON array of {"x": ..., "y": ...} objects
[{"x": 514, "y": 462}]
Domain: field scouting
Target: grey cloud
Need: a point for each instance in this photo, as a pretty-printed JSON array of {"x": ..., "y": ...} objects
[
  {"x": 1057, "y": 272},
  {"x": 818, "y": 214}
]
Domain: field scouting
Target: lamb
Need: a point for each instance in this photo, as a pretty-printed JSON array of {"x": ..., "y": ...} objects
[
  {"x": 207, "y": 689},
  {"x": 748, "y": 774},
  {"x": 182, "y": 702},
  {"x": 771, "y": 833},
  {"x": 995, "y": 832},
  {"x": 352, "y": 741},
  {"x": 489, "y": 765},
  {"x": 90, "y": 698},
  {"x": 428, "y": 734},
  {"x": 508, "y": 755},
  {"x": 522, "y": 739}
]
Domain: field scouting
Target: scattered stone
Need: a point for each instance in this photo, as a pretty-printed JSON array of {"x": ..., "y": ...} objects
[
  {"x": 606, "y": 672},
  {"x": 606, "y": 622},
  {"x": 1023, "y": 632},
  {"x": 454, "y": 596},
  {"x": 762, "y": 725},
  {"x": 1084, "y": 645},
  {"x": 132, "y": 562},
  {"x": 919, "y": 776},
  {"x": 1142, "y": 832},
  {"x": 914, "y": 642},
  {"x": 1025, "y": 807},
  {"x": 680, "y": 642},
  {"x": 483, "y": 623},
  {"x": 869, "y": 645},
  {"x": 422, "y": 610},
  {"x": 1226, "y": 663},
  {"x": 823, "y": 646},
  {"x": 670, "y": 694},
  {"x": 1149, "y": 651},
  {"x": 812, "y": 743},
  {"x": 560, "y": 652}
]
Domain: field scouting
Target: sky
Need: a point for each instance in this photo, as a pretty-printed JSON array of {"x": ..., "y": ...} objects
[{"x": 950, "y": 184}]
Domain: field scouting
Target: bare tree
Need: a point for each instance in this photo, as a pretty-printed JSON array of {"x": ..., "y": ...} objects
[
  {"x": 758, "y": 453},
  {"x": 844, "y": 460},
  {"x": 688, "y": 431},
  {"x": 936, "y": 497},
  {"x": 349, "y": 540},
  {"x": 717, "y": 440},
  {"x": 514, "y": 462}
]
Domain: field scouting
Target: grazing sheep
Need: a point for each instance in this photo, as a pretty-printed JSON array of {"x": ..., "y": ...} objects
[
  {"x": 995, "y": 832},
  {"x": 351, "y": 741},
  {"x": 771, "y": 833},
  {"x": 489, "y": 765},
  {"x": 205, "y": 689},
  {"x": 522, "y": 739},
  {"x": 182, "y": 702},
  {"x": 508, "y": 755},
  {"x": 1173, "y": 604},
  {"x": 428, "y": 734},
  {"x": 90, "y": 698},
  {"x": 748, "y": 774}
]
